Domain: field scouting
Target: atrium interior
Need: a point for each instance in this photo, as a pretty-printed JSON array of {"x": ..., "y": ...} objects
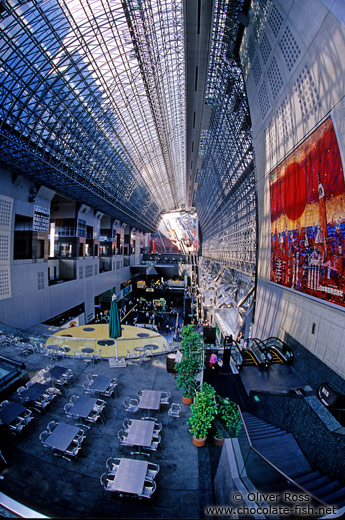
[{"x": 186, "y": 156}]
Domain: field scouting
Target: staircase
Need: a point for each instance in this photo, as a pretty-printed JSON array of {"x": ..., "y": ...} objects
[{"x": 281, "y": 448}]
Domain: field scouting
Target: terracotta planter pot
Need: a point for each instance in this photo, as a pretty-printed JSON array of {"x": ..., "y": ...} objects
[
  {"x": 216, "y": 441},
  {"x": 187, "y": 400},
  {"x": 199, "y": 442}
]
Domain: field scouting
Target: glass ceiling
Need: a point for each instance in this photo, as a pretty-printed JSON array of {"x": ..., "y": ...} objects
[{"x": 92, "y": 101}]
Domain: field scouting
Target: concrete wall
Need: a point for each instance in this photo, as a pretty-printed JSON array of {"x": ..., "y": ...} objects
[
  {"x": 31, "y": 300},
  {"x": 287, "y": 42}
]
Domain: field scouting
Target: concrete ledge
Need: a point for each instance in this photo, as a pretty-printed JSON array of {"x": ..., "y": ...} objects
[{"x": 18, "y": 509}]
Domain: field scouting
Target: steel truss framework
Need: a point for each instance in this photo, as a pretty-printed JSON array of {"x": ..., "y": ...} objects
[
  {"x": 92, "y": 102},
  {"x": 226, "y": 198}
]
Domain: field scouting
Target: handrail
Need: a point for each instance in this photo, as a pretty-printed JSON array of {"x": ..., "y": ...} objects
[{"x": 286, "y": 477}]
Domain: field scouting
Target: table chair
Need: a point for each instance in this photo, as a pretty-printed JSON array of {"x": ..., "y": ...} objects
[
  {"x": 152, "y": 471},
  {"x": 149, "y": 489},
  {"x": 131, "y": 405},
  {"x": 174, "y": 410},
  {"x": 112, "y": 464}
]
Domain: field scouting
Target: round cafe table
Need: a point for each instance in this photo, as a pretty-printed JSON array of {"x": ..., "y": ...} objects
[{"x": 88, "y": 350}]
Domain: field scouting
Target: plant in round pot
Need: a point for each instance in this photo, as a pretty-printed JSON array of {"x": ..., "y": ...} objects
[
  {"x": 203, "y": 411},
  {"x": 191, "y": 364}
]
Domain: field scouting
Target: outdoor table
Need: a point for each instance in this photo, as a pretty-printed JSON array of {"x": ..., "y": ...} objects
[
  {"x": 140, "y": 433},
  {"x": 62, "y": 436},
  {"x": 130, "y": 476},
  {"x": 100, "y": 384},
  {"x": 56, "y": 372},
  {"x": 34, "y": 391},
  {"x": 150, "y": 400},
  {"x": 10, "y": 412},
  {"x": 83, "y": 406}
]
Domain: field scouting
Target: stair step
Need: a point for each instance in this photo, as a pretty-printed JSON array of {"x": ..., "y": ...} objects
[
  {"x": 328, "y": 489},
  {"x": 335, "y": 497},
  {"x": 267, "y": 435},
  {"x": 317, "y": 483},
  {"x": 303, "y": 477},
  {"x": 263, "y": 428}
]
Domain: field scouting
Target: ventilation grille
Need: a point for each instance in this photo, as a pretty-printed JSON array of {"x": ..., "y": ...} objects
[
  {"x": 118, "y": 264},
  {"x": 4, "y": 247},
  {"x": 88, "y": 271},
  {"x": 251, "y": 47},
  {"x": 308, "y": 97},
  {"x": 270, "y": 135},
  {"x": 289, "y": 48},
  {"x": 285, "y": 120},
  {"x": 96, "y": 269},
  {"x": 265, "y": 48},
  {"x": 5, "y": 285},
  {"x": 114, "y": 266},
  {"x": 40, "y": 281},
  {"x": 81, "y": 272},
  {"x": 274, "y": 78},
  {"x": 263, "y": 100},
  {"x": 257, "y": 70},
  {"x": 5, "y": 212},
  {"x": 275, "y": 20}
]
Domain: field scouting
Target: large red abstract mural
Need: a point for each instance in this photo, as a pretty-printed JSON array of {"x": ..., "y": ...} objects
[{"x": 307, "y": 195}]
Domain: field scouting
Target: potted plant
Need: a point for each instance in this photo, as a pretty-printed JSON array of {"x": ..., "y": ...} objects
[
  {"x": 191, "y": 363},
  {"x": 203, "y": 411}
]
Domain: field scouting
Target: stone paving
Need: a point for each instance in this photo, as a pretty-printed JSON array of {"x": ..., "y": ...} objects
[{"x": 59, "y": 488}]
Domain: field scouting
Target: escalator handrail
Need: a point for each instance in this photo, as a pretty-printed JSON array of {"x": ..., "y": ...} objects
[
  {"x": 252, "y": 352},
  {"x": 280, "y": 347},
  {"x": 286, "y": 477}
]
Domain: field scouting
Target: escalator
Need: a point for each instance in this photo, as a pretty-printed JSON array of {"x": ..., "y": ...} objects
[
  {"x": 250, "y": 354},
  {"x": 279, "y": 350}
]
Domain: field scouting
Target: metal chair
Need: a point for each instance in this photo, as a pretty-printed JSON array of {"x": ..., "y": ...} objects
[
  {"x": 93, "y": 417},
  {"x": 67, "y": 408},
  {"x": 149, "y": 489},
  {"x": 72, "y": 452},
  {"x": 152, "y": 470},
  {"x": 86, "y": 388},
  {"x": 126, "y": 424},
  {"x": 43, "y": 436},
  {"x": 122, "y": 438},
  {"x": 79, "y": 438},
  {"x": 99, "y": 406},
  {"x": 140, "y": 393},
  {"x": 4, "y": 403},
  {"x": 20, "y": 390},
  {"x": 174, "y": 410},
  {"x": 165, "y": 398},
  {"x": 26, "y": 417},
  {"x": 17, "y": 426},
  {"x": 154, "y": 445},
  {"x": 73, "y": 399},
  {"x": 131, "y": 405},
  {"x": 112, "y": 464},
  {"x": 51, "y": 426},
  {"x": 69, "y": 377},
  {"x": 106, "y": 480}
]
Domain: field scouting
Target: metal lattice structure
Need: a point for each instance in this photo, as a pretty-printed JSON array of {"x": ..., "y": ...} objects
[
  {"x": 226, "y": 198},
  {"x": 92, "y": 102}
]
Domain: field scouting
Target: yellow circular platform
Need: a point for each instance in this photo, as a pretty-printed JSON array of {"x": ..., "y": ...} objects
[{"x": 94, "y": 339}]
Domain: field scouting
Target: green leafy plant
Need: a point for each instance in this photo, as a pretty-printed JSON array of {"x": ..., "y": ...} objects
[
  {"x": 203, "y": 411},
  {"x": 228, "y": 419},
  {"x": 191, "y": 363}
]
